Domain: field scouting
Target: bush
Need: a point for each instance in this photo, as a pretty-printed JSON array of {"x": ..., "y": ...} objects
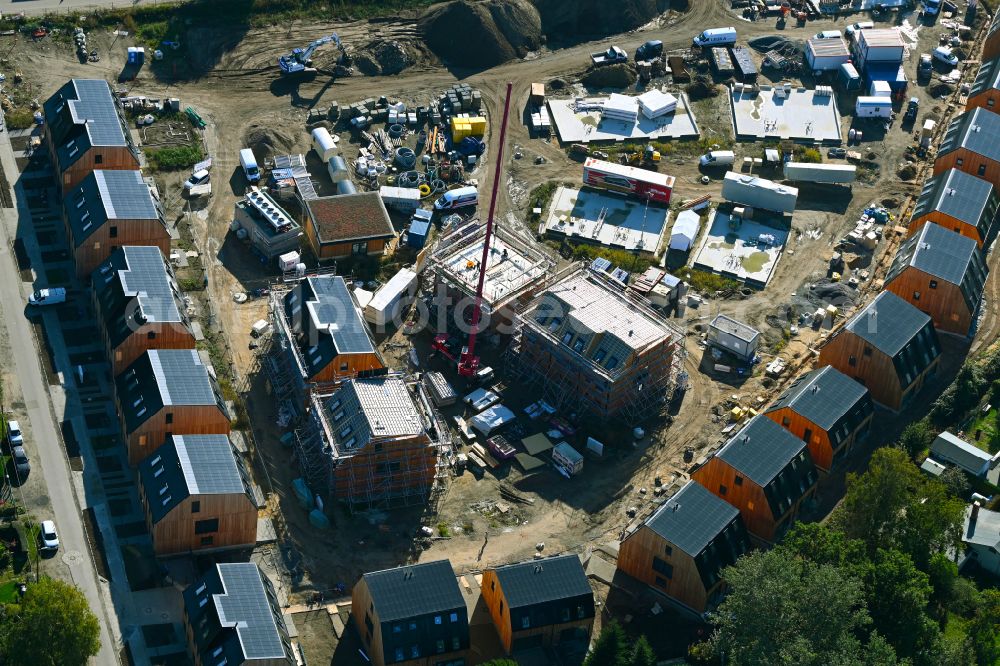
[
  {"x": 811, "y": 156},
  {"x": 917, "y": 437},
  {"x": 173, "y": 159},
  {"x": 19, "y": 118},
  {"x": 706, "y": 282}
]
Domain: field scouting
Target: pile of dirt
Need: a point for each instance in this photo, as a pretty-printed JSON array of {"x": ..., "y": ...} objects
[
  {"x": 569, "y": 21},
  {"x": 701, "y": 87},
  {"x": 266, "y": 141},
  {"x": 621, "y": 75},
  {"x": 907, "y": 172},
  {"x": 472, "y": 33},
  {"x": 390, "y": 57}
]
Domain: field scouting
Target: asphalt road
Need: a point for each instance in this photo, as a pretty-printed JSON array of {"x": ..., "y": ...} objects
[
  {"x": 46, "y": 447},
  {"x": 42, "y": 6}
]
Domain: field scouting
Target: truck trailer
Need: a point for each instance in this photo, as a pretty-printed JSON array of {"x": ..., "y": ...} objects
[{"x": 635, "y": 182}]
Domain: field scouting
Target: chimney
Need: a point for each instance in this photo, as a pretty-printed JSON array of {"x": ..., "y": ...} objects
[{"x": 975, "y": 512}]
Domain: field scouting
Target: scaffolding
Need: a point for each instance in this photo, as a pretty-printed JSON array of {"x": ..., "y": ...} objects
[{"x": 648, "y": 385}]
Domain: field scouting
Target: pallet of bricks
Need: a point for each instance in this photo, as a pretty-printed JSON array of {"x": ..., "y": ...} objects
[{"x": 460, "y": 97}]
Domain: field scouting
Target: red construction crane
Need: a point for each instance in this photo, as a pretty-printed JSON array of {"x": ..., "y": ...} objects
[{"x": 468, "y": 362}]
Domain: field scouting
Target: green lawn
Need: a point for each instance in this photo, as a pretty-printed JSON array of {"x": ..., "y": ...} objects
[
  {"x": 989, "y": 439},
  {"x": 8, "y": 592}
]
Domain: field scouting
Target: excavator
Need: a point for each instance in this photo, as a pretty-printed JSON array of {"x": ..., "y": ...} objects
[{"x": 299, "y": 61}]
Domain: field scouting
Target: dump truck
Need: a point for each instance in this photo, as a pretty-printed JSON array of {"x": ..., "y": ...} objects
[{"x": 612, "y": 56}]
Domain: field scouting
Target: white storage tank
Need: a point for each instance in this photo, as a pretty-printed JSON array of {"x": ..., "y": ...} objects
[{"x": 323, "y": 143}]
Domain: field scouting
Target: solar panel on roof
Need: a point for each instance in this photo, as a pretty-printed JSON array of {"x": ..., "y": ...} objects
[
  {"x": 125, "y": 195},
  {"x": 334, "y": 311},
  {"x": 208, "y": 464},
  {"x": 181, "y": 377},
  {"x": 96, "y": 107},
  {"x": 245, "y": 605},
  {"x": 147, "y": 280}
]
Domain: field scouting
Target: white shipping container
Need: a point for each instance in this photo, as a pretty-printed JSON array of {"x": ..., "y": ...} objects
[
  {"x": 394, "y": 295},
  {"x": 400, "y": 198},
  {"x": 323, "y": 143},
  {"x": 820, "y": 173},
  {"x": 873, "y": 107}
]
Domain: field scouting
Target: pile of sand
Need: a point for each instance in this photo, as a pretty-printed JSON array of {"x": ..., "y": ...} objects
[
  {"x": 266, "y": 141},
  {"x": 480, "y": 34}
]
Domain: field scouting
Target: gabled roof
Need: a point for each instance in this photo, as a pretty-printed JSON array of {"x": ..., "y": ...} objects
[
  {"x": 761, "y": 450},
  {"x": 366, "y": 409},
  {"x": 987, "y": 78},
  {"x": 823, "y": 396},
  {"x": 135, "y": 286},
  {"x": 976, "y": 131},
  {"x": 414, "y": 590},
  {"x": 109, "y": 195},
  {"x": 326, "y": 322},
  {"x": 349, "y": 217},
  {"x": 234, "y": 615},
  {"x": 955, "y": 193},
  {"x": 946, "y": 255},
  {"x": 953, "y": 449},
  {"x": 984, "y": 530},
  {"x": 189, "y": 465},
  {"x": 692, "y": 518},
  {"x": 84, "y": 113},
  {"x": 161, "y": 378},
  {"x": 540, "y": 581},
  {"x": 888, "y": 323}
]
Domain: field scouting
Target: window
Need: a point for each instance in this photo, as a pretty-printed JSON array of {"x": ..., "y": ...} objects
[
  {"x": 437, "y": 619},
  {"x": 359, "y": 248},
  {"x": 981, "y": 171},
  {"x": 567, "y": 337},
  {"x": 206, "y": 526},
  {"x": 599, "y": 356},
  {"x": 455, "y": 643},
  {"x": 439, "y": 645},
  {"x": 207, "y": 541},
  {"x": 339, "y": 415},
  {"x": 169, "y": 418},
  {"x": 195, "y": 506},
  {"x": 612, "y": 363},
  {"x": 142, "y": 440},
  {"x": 916, "y": 295},
  {"x": 415, "y": 652},
  {"x": 868, "y": 351},
  {"x": 852, "y": 361},
  {"x": 453, "y": 617},
  {"x": 346, "y": 430},
  {"x": 722, "y": 489},
  {"x": 661, "y": 567},
  {"x": 400, "y": 655},
  {"x": 565, "y": 615},
  {"x": 413, "y": 626},
  {"x": 501, "y": 606},
  {"x": 525, "y": 622},
  {"x": 738, "y": 481},
  {"x": 668, "y": 550},
  {"x": 578, "y": 345},
  {"x": 750, "y": 506},
  {"x": 151, "y": 335},
  {"x": 990, "y": 101},
  {"x": 113, "y": 232},
  {"x": 493, "y": 585},
  {"x": 959, "y": 162},
  {"x": 661, "y": 583},
  {"x": 343, "y": 367},
  {"x": 580, "y": 612},
  {"x": 785, "y": 421},
  {"x": 933, "y": 284},
  {"x": 397, "y": 628},
  {"x": 98, "y": 159}
]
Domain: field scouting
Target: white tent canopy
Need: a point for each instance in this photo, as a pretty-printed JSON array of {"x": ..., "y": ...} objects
[
  {"x": 685, "y": 230},
  {"x": 492, "y": 418}
]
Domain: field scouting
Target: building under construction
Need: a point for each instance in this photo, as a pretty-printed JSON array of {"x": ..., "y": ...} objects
[
  {"x": 374, "y": 442},
  {"x": 516, "y": 271},
  {"x": 594, "y": 347}
]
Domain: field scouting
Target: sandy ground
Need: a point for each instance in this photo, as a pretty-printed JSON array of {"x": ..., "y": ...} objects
[{"x": 241, "y": 90}]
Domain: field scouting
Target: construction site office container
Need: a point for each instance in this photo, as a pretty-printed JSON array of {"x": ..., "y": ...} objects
[
  {"x": 820, "y": 173},
  {"x": 323, "y": 143},
  {"x": 406, "y": 199},
  {"x": 416, "y": 235},
  {"x": 743, "y": 64},
  {"x": 873, "y": 107},
  {"x": 826, "y": 54},
  {"x": 890, "y": 72},
  {"x": 849, "y": 77},
  {"x": 879, "y": 45},
  {"x": 394, "y": 295},
  {"x": 568, "y": 458},
  {"x": 721, "y": 61}
]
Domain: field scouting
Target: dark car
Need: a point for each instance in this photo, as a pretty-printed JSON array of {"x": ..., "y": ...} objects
[
  {"x": 837, "y": 153},
  {"x": 651, "y": 49},
  {"x": 22, "y": 467},
  {"x": 911, "y": 110}
]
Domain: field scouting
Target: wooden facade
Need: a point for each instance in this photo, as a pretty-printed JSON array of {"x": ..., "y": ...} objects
[
  {"x": 545, "y": 636},
  {"x": 151, "y": 335},
  {"x": 969, "y": 162},
  {"x": 386, "y": 471},
  {"x": 948, "y": 222},
  {"x": 326, "y": 251},
  {"x": 180, "y": 532},
  {"x": 857, "y": 359},
  {"x": 635, "y": 557},
  {"x": 184, "y": 420},
  {"x": 113, "y": 234},
  {"x": 824, "y": 454},
  {"x": 344, "y": 366},
  {"x": 111, "y": 158},
  {"x": 749, "y": 499},
  {"x": 943, "y": 302},
  {"x": 988, "y": 99}
]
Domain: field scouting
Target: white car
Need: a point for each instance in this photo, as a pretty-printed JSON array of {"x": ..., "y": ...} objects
[
  {"x": 50, "y": 296},
  {"x": 14, "y": 433},
  {"x": 199, "y": 177},
  {"x": 48, "y": 536},
  {"x": 945, "y": 55}
]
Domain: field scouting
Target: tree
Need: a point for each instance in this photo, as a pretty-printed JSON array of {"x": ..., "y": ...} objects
[
  {"x": 984, "y": 628},
  {"x": 499, "y": 662},
  {"x": 916, "y": 437},
  {"x": 942, "y": 574},
  {"x": 822, "y": 544},
  {"x": 955, "y": 482},
  {"x": 53, "y": 627},
  {"x": 898, "y": 594},
  {"x": 610, "y": 649},
  {"x": 773, "y": 613},
  {"x": 643, "y": 654}
]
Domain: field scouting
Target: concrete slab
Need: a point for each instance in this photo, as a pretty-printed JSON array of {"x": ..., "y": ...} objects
[
  {"x": 605, "y": 219},
  {"x": 738, "y": 253},
  {"x": 580, "y": 120},
  {"x": 799, "y": 115}
]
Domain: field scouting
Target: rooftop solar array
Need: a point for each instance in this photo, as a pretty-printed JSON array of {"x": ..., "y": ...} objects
[
  {"x": 125, "y": 195},
  {"x": 958, "y": 195},
  {"x": 96, "y": 107},
  {"x": 246, "y": 606},
  {"x": 936, "y": 251},
  {"x": 975, "y": 130},
  {"x": 541, "y": 581},
  {"x": 334, "y": 311},
  {"x": 181, "y": 377},
  {"x": 146, "y": 279},
  {"x": 414, "y": 590},
  {"x": 209, "y": 465}
]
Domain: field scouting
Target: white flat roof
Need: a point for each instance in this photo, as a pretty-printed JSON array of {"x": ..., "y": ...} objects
[
  {"x": 628, "y": 223},
  {"x": 801, "y": 115},
  {"x": 504, "y": 273},
  {"x": 581, "y": 121}
]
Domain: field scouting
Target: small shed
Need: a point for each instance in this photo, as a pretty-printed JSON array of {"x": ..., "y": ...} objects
[
  {"x": 416, "y": 235},
  {"x": 537, "y": 94},
  {"x": 734, "y": 337},
  {"x": 685, "y": 231},
  {"x": 567, "y": 459}
]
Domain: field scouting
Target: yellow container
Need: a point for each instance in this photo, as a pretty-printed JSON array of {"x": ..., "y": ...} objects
[{"x": 477, "y": 125}]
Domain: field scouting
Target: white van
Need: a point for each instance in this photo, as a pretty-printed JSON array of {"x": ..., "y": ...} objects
[
  {"x": 828, "y": 34},
  {"x": 718, "y": 158},
  {"x": 458, "y": 198},
  {"x": 716, "y": 37},
  {"x": 857, "y": 27},
  {"x": 249, "y": 164}
]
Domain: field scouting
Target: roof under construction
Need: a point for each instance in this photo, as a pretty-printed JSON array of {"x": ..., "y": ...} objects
[{"x": 363, "y": 410}]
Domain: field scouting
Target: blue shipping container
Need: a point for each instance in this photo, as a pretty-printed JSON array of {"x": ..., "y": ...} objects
[{"x": 417, "y": 234}]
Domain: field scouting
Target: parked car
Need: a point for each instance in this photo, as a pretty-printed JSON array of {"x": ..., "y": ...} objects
[
  {"x": 857, "y": 27},
  {"x": 828, "y": 34},
  {"x": 911, "y": 110},
  {"x": 199, "y": 177},
  {"x": 51, "y": 296},
  {"x": 21, "y": 464},
  {"x": 925, "y": 67},
  {"x": 944, "y": 54},
  {"x": 651, "y": 49},
  {"x": 837, "y": 153},
  {"x": 14, "y": 434},
  {"x": 612, "y": 56},
  {"x": 48, "y": 536}
]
